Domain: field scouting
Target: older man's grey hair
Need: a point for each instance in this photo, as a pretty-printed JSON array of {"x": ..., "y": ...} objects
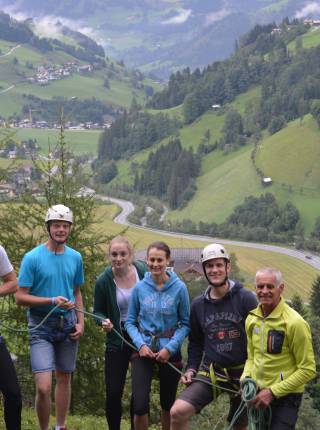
[{"x": 271, "y": 271}]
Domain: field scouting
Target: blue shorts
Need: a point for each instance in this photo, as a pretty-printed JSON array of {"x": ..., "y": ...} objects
[{"x": 51, "y": 347}]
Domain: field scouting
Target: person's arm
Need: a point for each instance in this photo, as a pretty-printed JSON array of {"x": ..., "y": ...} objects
[
  {"x": 247, "y": 371},
  {"x": 24, "y": 298},
  {"x": 10, "y": 284},
  {"x": 183, "y": 311},
  {"x": 100, "y": 300},
  {"x": 300, "y": 344},
  {"x": 131, "y": 324},
  {"x": 79, "y": 327},
  {"x": 100, "y": 308},
  {"x": 196, "y": 338}
]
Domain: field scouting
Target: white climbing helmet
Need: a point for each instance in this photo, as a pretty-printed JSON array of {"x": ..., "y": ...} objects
[
  {"x": 59, "y": 213},
  {"x": 214, "y": 250}
]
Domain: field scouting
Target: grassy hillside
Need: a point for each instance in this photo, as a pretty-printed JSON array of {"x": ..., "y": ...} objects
[
  {"x": 23, "y": 61},
  {"x": 82, "y": 141},
  {"x": 308, "y": 40},
  {"x": 291, "y": 158},
  {"x": 190, "y": 135},
  {"x": 226, "y": 180}
]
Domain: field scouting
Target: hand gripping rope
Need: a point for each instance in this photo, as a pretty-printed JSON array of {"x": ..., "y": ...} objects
[{"x": 258, "y": 419}]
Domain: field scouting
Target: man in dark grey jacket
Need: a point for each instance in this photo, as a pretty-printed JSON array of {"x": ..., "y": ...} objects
[{"x": 217, "y": 342}]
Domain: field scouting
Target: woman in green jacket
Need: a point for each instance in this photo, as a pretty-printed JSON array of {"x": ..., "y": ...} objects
[{"x": 111, "y": 298}]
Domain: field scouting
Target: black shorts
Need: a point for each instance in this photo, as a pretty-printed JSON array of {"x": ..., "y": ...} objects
[
  {"x": 200, "y": 394},
  {"x": 285, "y": 412}
]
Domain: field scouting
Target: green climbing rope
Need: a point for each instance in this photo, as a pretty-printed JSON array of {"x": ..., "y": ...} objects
[{"x": 258, "y": 419}]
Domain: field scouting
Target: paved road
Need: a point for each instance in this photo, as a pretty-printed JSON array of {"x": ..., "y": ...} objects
[{"x": 128, "y": 207}]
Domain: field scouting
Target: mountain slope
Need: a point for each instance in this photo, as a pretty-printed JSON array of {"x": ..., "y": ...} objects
[
  {"x": 73, "y": 67},
  {"x": 290, "y": 157},
  {"x": 163, "y": 35}
]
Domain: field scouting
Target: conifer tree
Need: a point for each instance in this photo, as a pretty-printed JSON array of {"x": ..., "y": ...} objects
[
  {"x": 22, "y": 228},
  {"x": 297, "y": 304},
  {"x": 315, "y": 297}
]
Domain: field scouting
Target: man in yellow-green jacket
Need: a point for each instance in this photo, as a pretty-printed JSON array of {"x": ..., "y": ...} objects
[{"x": 280, "y": 353}]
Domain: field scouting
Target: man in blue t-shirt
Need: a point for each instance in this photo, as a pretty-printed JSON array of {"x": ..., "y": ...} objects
[{"x": 51, "y": 275}]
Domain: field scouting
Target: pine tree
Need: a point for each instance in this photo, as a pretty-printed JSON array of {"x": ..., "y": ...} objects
[
  {"x": 22, "y": 228},
  {"x": 315, "y": 297},
  {"x": 297, "y": 304}
]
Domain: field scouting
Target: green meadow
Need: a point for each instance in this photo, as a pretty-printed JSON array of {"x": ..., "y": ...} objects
[
  {"x": 291, "y": 158},
  {"x": 79, "y": 141},
  {"x": 225, "y": 182},
  {"x": 227, "y": 179},
  {"x": 24, "y": 60},
  {"x": 308, "y": 40}
]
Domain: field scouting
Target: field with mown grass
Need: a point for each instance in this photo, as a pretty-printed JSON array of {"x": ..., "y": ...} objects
[
  {"x": 120, "y": 93},
  {"x": 291, "y": 158},
  {"x": 224, "y": 183},
  {"x": 79, "y": 141},
  {"x": 297, "y": 274}
]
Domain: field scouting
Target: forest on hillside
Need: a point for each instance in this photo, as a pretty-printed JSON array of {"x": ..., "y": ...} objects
[{"x": 290, "y": 88}]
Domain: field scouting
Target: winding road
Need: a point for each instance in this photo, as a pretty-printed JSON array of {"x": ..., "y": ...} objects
[{"x": 128, "y": 207}]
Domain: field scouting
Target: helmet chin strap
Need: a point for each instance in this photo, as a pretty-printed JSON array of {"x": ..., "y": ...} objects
[{"x": 53, "y": 240}]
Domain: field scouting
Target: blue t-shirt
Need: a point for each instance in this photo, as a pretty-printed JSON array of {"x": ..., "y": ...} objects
[{"x": 49, "y": 275}]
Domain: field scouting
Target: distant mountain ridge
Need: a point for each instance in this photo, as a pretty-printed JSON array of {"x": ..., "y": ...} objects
[
  {"x": 160, "y": 36},
  {"x": 40, "y": 74}
]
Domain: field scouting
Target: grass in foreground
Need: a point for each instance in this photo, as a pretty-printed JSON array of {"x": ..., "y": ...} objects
[{"x": 74, "y": 422}]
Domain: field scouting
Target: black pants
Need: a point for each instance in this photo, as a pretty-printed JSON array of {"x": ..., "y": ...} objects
[
  {"x": 10, "y": 389},
  {"x": 116, "y": 367},
  {"x": 142, "y": 372},
  {"x": 285, "y": 412}
]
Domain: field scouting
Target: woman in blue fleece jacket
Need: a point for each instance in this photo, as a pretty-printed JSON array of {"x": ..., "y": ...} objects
[{"x": 158, "y": 322}]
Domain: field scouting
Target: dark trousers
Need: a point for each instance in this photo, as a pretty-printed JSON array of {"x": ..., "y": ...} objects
[
  {"x": 142, "y": 372},
  {"x": 10, "y": 389},
  {"x": 285, "y": 412},
  {"x": 116, "y": 367}
]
